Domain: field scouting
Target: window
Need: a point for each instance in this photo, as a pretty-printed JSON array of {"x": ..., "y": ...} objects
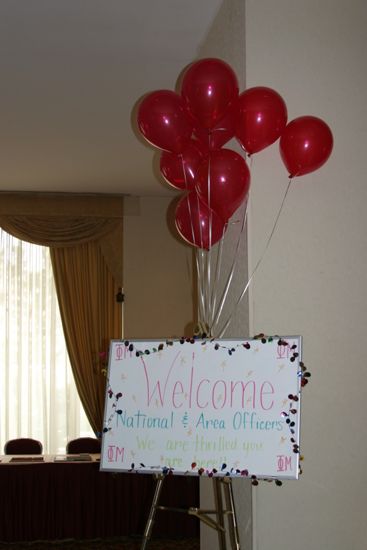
[{"x": 38, "y": 397}]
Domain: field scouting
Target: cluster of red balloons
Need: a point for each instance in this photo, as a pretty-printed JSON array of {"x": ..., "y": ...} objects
[{"x": 191, "y": 128}]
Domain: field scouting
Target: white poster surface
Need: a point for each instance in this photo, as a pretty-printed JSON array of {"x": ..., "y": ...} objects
[{"x": 204, "y": 407}]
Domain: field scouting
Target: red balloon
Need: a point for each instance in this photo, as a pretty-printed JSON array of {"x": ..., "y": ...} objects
[
  {"x": 163, "y": 120},
  {"x": 208, "y": 87},
  {"x": 197, "y": 223},
  {"x": 222, "y": 132},
  {"x": 223, "y": 181},
  {"x": 180, "y": 170},
  {"x": 305, "y": 145},
  {"x": 262, "y": 118}
]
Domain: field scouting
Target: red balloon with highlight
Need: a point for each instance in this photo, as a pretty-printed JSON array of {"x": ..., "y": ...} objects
[
  {"x": 209, "y": 86},
  {"x": 164, "y": 122},
  {"x": 262, "y": 118},
  {"x": 305, "y": 145},
  {"x": 180, "y": 171},
  {"x": 197, "y": 223},
  {"x": 222, "y": 132},
  {"x": 223, "y": 181}
]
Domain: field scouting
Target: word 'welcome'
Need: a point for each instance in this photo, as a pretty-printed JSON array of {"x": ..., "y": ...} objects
[{"x": 182, "y": 388}]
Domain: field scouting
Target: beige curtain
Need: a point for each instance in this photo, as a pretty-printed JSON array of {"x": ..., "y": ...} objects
[{"x": 85, "y": 239}]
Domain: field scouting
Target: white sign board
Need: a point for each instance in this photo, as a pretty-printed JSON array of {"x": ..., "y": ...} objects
[{"x": 204, "y": 407}]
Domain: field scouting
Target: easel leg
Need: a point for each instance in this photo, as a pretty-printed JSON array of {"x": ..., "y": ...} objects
[
  {"x": 232, "y": 519},
  {"x": 153, "y": 509},
  {"x": 219, "y": 484},
  {"x": 217, "y": 489}
]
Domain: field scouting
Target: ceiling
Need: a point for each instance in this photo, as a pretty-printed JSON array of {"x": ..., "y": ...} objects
[{"x": 72, "y": 72}]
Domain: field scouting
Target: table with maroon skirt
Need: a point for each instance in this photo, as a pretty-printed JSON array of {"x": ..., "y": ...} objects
[{"x": 48, "y": 500}]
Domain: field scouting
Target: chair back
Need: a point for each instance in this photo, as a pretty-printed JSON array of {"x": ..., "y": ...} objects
[
  {"x": 83, "y": 445},
  {"x": 23, "y": 446}
]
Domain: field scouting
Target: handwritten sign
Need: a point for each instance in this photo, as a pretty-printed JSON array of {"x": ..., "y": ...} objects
[{"x": 207, "y": 407}]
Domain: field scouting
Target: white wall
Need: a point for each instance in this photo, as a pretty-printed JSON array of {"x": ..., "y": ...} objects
[
  {"x": 157, "y": 272},
  {"x": 312, "y": 279}
]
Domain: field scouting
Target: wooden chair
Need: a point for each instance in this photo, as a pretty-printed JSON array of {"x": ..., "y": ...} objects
[
  {"x": 23, "y": 446},
  {"x": 83, "y": 445}
]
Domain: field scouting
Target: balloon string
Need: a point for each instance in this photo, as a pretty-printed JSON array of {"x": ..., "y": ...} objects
[
  {"x": 200, "y": 267},
  {"x": 201, "y": 270},
  {"x": 189, "y": 208},
  {"x": 216, "y": 280},
  {"x": 225, "y": 326},
  {"x": 201, "y": 304},
  {"x": 208, "y": 265},
  {"x": 188, "y": 202},
  {"x": 231, "y": 273}
]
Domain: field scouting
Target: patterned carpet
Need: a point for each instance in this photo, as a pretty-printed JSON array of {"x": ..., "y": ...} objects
[{"x": 107, "y": 544}]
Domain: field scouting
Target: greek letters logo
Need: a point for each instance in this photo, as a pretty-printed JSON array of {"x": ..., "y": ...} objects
[
  {"x": 119, "y": 352},
  {"x": 284, "y": 463}
]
